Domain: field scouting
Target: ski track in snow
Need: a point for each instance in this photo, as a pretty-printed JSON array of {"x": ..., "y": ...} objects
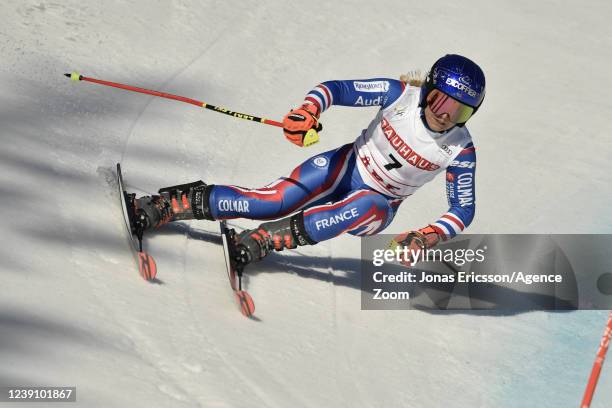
[{"x": 162, "y": 87}]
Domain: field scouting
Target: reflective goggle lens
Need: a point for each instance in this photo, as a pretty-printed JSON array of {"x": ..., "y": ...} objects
[{"x": 440, "y": 103}]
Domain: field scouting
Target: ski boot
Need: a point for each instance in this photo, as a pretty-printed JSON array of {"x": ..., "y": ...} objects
[
  {"x": 175, "y": 203},
  {"x": 255, "y": 244}
]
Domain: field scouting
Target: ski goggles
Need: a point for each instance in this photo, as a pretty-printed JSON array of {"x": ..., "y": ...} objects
[{"x": 440, "y": 103}]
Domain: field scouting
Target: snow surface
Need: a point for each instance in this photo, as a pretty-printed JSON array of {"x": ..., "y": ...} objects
[{"x": 73, "y": 311}]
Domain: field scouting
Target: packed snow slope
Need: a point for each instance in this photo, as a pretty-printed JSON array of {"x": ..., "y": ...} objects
[{"x": 73, "y": 310}]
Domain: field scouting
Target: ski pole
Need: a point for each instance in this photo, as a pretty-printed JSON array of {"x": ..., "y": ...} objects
[
  {"x": 599, "y": 360},
  {"x": 311, "y": 137},
  {"x": 75, "y": 76}
]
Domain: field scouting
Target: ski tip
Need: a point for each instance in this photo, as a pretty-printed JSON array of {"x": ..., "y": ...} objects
[
  {"x": 147, "y": 266},
  {"x": 245, "y": 301}
]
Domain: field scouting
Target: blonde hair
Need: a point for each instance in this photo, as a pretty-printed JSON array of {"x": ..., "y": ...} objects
[{"x": 414, "y": 78}]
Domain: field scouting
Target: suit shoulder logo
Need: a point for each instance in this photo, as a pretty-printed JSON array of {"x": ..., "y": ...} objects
[{"x": 371, "y": 86}]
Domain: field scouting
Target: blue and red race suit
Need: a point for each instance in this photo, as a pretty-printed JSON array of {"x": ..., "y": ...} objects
[{"x": 358, "y": 187}]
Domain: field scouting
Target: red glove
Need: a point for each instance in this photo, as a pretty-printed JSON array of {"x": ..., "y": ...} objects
[
  {"x": 421, "y": 239},
  {"x": 302, "y": 124}
]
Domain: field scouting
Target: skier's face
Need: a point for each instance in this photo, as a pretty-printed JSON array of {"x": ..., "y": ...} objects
[
  {"x": 443, "y": 112},
  {"x": 437, "y": 123}
]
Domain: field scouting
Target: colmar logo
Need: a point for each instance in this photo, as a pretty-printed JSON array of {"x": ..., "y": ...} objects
[
  {"x": 231, "y": 205},
  {"x": 373, "y": 86},
  {"x": 465, "y": 192}
]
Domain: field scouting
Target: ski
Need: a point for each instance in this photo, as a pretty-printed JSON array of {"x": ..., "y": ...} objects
[
  {"x": 234, "y": 272},
  {"x": 146, "y": 264}
]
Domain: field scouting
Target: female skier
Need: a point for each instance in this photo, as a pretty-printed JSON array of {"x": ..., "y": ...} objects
[{"x": 356, "y": 188}]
